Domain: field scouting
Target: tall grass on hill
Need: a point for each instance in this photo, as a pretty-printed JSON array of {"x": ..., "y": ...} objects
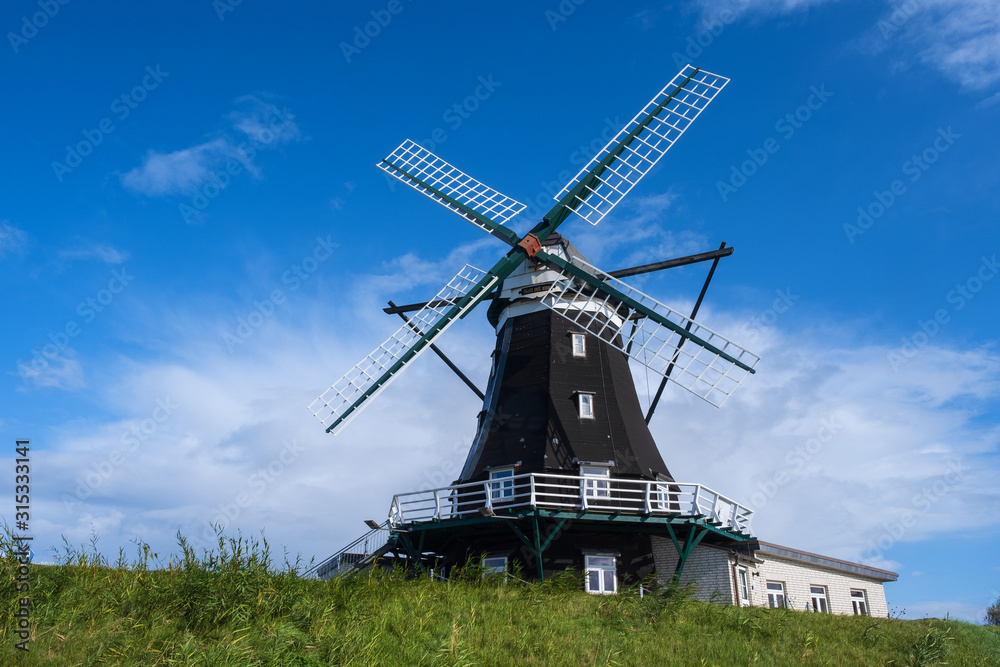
[{"x": 235, "y": 606}]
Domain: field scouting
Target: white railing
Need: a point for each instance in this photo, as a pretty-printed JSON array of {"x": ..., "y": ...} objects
[
  {"x": 598, "y": 494},
  {"x": 357, "y": 551}
]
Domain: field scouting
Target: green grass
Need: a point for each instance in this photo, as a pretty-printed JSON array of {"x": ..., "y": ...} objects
[{"x": 234, "y": 607}]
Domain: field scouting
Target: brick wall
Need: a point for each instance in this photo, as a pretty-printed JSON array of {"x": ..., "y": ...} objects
[{"x": 708, "y": 567}]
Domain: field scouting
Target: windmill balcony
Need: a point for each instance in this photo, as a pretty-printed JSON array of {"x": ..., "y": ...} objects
[{"x": 571, "y": 493}]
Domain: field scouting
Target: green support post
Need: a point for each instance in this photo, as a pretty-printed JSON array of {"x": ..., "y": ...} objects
[
  {"x": 694, "y": 536},
  {"x": 538, "y": 548},
  {"x": 536, "y": 545},
  {"x": 412, "y": 553}
]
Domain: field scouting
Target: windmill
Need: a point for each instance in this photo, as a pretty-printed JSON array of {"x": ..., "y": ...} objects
[{"x": 561, "y": 443}]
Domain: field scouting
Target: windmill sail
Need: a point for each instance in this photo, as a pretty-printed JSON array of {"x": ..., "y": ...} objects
[
  {"x": 712, "y": 368},
  {"x": 633, "y": 152},
  {"x": 428, "y": 174},
  {"x": 349, "y": 395}
]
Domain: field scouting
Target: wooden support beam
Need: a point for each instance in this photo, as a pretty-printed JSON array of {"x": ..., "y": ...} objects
[
  {"x": 694, "y": 314},
  {"x": 672, "y": 263},
  {"x": 443, "y": 356},
  {"x": 620, "y": 273}
]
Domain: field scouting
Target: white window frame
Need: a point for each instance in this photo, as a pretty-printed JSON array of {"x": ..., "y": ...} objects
[
  {"x": 743, "y": 586},
  {"x": 597, "y": 564},
  {"x": 502, "y": 484},
  {"x": 585, "y": 404},
  {"x": 818, "y": 600},
  {"x": 578, "y": 343},
  {"x": 493, "y": 565},
  {"x": 776, "y": 596},
  {"x": 859, "y": 601},
  {"x": 597, "y": 482}
]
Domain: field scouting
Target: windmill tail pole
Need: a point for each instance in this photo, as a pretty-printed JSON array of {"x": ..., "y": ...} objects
[
  {"x": 694, "y": 314},
  {"x": 444, "y": 358}
]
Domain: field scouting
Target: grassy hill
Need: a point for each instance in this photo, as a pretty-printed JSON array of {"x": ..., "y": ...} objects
[{"x": 231, "y": 607}]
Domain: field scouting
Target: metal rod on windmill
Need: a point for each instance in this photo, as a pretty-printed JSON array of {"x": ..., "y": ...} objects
[
  {"x": 462, "y": 376},
  {"x": 694, "y": 314}
]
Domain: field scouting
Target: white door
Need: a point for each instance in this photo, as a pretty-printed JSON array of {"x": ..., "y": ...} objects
[{"x": 743, "y": 586}]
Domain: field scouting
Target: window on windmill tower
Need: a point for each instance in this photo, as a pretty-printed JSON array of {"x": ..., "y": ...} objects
[
  {"x": 860, "y": 602},
  {"x": 601, "y": 577},
  {"x": 817, "y": 599},
  {"x": 597, "y": 481},
  {"x": 585, "y": 404},
  {"x": 775, "y": 594},
  {"x": 579, "y": 342},
  {"x": 501, "y": 484}
]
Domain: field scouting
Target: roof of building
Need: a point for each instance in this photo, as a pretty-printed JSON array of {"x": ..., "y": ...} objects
[{"x": 826, "y": 561}]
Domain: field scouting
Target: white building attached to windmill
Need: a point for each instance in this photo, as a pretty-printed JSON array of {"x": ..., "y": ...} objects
[{"x": 770, "y": 575}]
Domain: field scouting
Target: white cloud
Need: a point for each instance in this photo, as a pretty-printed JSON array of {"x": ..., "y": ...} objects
[
  {"x": 636, "y": 224},
  {"x": 91, "y": 250},
  {"x": 12, "y": 239},
  {"x": 960, "y": 38},
  {"x": 712, "y": 8},
  {"x": 989, "y": 101},
  {"x": 239, "y": 447},
  {"x": 257, "y": 125},
  {"x": 57, "y": 371},
  {"x": 831, "y": 438},
  {"x": 181, "y": 171},
  {"x": 211, "y": 436},
  {"x": 264, "y": 121}
]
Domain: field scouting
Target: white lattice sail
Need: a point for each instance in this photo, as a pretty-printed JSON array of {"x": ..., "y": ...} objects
[
  {"x": 642, "y": 142},
  {"x": 698, "y": 369},
  {"x": 345, "y": 399},
  {"x": 423, "y": 167}
]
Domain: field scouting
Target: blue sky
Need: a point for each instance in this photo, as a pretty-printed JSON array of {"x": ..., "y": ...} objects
[{"x": 164, "y": 334}]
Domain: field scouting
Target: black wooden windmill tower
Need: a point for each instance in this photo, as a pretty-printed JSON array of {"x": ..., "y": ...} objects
[{"x": 563, "y": 471}]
